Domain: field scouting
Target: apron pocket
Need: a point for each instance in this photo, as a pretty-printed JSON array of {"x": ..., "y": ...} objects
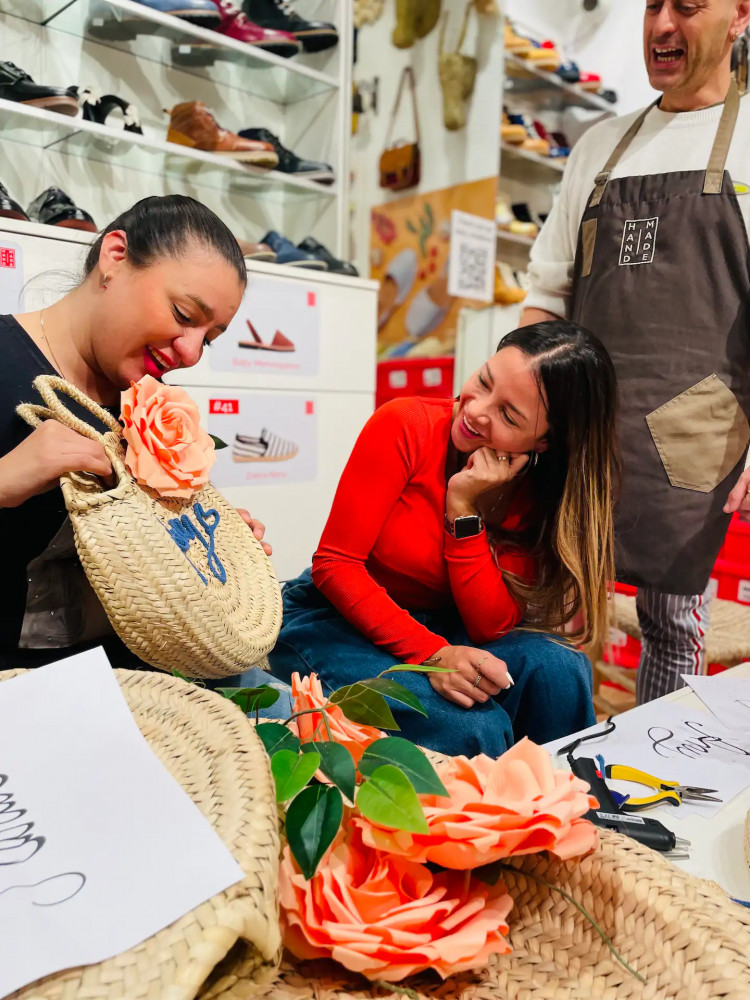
[{"x": 700, "y": 435}]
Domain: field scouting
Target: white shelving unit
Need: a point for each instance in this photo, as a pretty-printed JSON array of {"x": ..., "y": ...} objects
[
  {"x": 304, "y": 100},
  {"x": 549, "y": 89}
]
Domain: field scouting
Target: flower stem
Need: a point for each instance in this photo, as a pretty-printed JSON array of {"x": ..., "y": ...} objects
[
  {"x": 396, "y": 988},
  {"x": 581, "y": 909},
  {"x": 307, "y": 711}
]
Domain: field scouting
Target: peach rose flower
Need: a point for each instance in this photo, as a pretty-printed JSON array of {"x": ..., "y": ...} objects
[
  {"x": 307, "y": 692},
  {"x": 167, "y": 449},
  {"x": 386, "y": 917},
  {"x": 517, "y": 804}
]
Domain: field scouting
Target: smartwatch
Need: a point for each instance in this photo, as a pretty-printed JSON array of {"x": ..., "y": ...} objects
[{"x": 464, "y": 527}]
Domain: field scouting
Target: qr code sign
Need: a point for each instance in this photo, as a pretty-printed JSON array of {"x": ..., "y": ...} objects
[
  {"x": 472, "y": 268},
  {"x": 7, "y": 257}
]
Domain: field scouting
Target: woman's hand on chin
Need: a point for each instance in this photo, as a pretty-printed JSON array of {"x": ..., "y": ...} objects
[{"x": 485, "y": 470}]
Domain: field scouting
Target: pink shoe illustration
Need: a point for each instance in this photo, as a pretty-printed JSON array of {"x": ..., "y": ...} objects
[
  {"x": 279, "y": 342},
  {"x": 266, "y": 448}
]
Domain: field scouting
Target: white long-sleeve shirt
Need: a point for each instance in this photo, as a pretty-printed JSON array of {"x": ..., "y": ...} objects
[{"x": 665, "y": 143}]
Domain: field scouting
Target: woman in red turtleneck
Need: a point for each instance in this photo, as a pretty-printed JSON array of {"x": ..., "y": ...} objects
[{"x": 454, "y": 522}]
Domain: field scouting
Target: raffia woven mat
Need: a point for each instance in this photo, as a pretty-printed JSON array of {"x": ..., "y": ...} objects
[
  {"x": 684, "y": 935},
  {"x": 206, "y": 743},
  {"x": 728, "y": 637}
]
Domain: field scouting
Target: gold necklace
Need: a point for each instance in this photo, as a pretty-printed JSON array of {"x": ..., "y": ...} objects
[{"x": 44, "y": 334}]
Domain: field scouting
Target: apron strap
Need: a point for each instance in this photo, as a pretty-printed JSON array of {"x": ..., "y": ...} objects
[
  {"x": 602, "y": 178},
  {"x": 714, "y": 181},
  {"x": 715, "y": 171}
]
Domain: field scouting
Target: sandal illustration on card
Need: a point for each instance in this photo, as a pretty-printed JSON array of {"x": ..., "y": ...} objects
[
  {"x": 266, "y": 448},
  {"x": 279, "y": 343}
]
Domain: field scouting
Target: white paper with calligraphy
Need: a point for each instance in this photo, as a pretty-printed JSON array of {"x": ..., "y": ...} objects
[
  {"x": 674, "y": 743},
  {"x": 99, "y": 846}
]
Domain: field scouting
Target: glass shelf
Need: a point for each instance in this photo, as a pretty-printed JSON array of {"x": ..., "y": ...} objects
[
  {"x": 36, "y": 127},
  {"x": 172, "y": 42},
  {"x": 520, "y": 165},
  {"x": 528, "y": 81}
]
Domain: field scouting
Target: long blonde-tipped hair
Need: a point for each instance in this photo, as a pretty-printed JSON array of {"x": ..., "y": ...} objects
[{"x": 573, "y": 484}]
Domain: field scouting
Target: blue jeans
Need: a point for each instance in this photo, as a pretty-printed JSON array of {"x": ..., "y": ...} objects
[{"x": 551, "y": 696}]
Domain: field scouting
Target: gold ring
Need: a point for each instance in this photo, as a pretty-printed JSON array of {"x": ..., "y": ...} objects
[
  {"x": 502, "y": 458},
  {"x": 478, "y": 681},
  {"x": 478, "y": 665}
]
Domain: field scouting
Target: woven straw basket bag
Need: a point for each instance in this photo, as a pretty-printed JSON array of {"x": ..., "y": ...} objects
[
  {"x": 184, "y": 583},
  {"x": 230, "y": 944}
]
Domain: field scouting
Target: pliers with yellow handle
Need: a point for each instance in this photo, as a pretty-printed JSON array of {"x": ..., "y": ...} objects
[{"x": 665, "y": 791}]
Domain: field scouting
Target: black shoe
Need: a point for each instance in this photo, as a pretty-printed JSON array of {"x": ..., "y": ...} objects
[
  {"x": 335, "y": 266},
  {"x": 109, "y": 110},
  {"x": 608, "y": 95},
  {"x": 521, "y": 211},
  {"x": 9, "y": 207},
  {"x": 315, "y": 36},
  {"x": 17, "y": 85},
  {"x": 289, "y": 162},
  {"x": 54, "y": 208}
]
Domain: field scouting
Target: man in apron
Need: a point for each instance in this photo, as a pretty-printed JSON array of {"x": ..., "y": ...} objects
[{"x": 647, "y": 247}]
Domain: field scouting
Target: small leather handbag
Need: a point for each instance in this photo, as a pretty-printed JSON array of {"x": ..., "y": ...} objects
[{"x": 400, "y": 162}]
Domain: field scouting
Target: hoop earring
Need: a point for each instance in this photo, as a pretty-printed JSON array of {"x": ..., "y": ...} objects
[
  {"x": 105, "y": 279},
  {"x": 533, "y": 459}
]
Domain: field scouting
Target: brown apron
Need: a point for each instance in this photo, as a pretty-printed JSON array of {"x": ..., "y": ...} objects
[{"x": 662, "y": 277}]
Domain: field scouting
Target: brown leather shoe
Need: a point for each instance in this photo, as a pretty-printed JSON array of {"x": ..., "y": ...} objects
[
  {"x": 192, "y": 124},
  {"x": 257, "y": 251}
]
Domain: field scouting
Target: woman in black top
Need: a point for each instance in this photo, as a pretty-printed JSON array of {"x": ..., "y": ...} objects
[{"x": 160, "y": 283}]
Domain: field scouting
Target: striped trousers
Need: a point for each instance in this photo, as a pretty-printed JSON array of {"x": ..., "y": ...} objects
[{"x": 674, "y": 631}]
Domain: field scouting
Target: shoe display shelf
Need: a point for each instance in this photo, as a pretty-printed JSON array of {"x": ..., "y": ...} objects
[
  {"x": 506, "y": 240},
  {"x": 48, "y": 130},
  {"x": 198, "y": 51},
  {"x": 520, "y": 165},
  {"x": 176, "y": 46},
  {"x": 547, "y": 89}
]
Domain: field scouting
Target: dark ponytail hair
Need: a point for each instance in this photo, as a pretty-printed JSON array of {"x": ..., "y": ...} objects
[
  {"x": 575, "y": 482},
  {"x": 166, "y": 226}
]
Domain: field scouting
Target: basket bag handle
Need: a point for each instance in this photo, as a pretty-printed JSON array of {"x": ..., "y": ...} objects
[{"x": 48, "y": 386}]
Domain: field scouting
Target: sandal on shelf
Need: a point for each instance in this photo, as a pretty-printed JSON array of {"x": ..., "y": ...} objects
[
  {"x": 109, "y": 110},
  {"x": 266, "y": 448},
  {"x": 279, "y": 342}
]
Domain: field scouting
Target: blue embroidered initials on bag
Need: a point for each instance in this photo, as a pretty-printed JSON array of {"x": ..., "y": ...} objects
[{"x": 183, "y": 532}]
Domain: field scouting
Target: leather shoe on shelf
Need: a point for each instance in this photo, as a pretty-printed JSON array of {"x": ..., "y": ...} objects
[
  {"x": 556, "y": 150},
  {"x": 569, "y": 72},
  {"x": 237, "y": 25},
  {"x": 590, "y": 82},
  {"x": 542, "y": 55},
  {"x": 257, "y": 251},
  {"x": 608, "y": 95},
  {"x": 514, "y": 42},
  {"x": 121, "y": 25},
  {"x": 514, "y": 134},
  {"x": 192, "y": 124},
  {"x": 334, "y": 265},
  {"x": 17, "y": 85},
  {"x": 533, "y": 142},
  {"x": 109, "y": 110},
  {"x": 507, "y": 291},
  {"x": 54, "y": 208},
  {"x": 289, "y": 162},
  {"x": 279, "y": 15},
  {"x": 287, "y": 253},
  {"x": 9, "y": 207}
]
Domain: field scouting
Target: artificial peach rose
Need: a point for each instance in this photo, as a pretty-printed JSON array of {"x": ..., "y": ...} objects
[
  {"x": 386, "y": 917},
  {"x": 517, "y": 804},
  {"x": 307, "y": 692},
  {"x": 168, "y": 450}
]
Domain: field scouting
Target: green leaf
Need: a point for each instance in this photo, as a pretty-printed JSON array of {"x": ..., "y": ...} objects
[
  {"x": 276, "y": 737},
  {"x": 417, "y": 668},
  {"x": 397, "y": 692},
  {"x": 292, "y": 771},
  {"x": 388, "y": 798},
  {"x": 336, "y": 763},
  {"x": 364, "y": 706},
  {"x": 407, "y": 758},
  {"x": 218, "y": 443},
  {"x": 252, "y": 699},
  {"x": 411, "y": 227},
  {"x": 312, "y": 821}
]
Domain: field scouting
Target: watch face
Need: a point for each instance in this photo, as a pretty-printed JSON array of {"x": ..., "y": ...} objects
[{"x": 465, "y": 527}]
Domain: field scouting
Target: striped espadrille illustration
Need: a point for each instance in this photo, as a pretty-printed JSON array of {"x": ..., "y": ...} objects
[{"x": 266, "y": 448}]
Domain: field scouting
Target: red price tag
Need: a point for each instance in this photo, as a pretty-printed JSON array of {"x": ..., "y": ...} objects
[
  {"x": 224, "y": 406},
  {"x": 311, "y": 298},
  {"x": 7, "y": 257},
  {"x": 309, "y": 407}
]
